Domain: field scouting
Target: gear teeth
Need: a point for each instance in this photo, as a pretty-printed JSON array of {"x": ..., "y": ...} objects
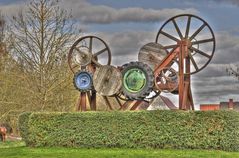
[
  {"x": 149, "y": 80},
  {"x": 91, "y": 84}
]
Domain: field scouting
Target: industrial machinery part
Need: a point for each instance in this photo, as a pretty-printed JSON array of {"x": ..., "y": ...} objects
[
  {"x": 152, "y": 54},
  {"x": 81, "y": 56},
  {"x": 83, "y": 81},
  {"x": 167, "y": 80},
  {"x": 107, "y": 80},
  {"x": 86, "y": 48},
  {"x": 197, "y": 33},
  {"x": 138, "y": 80}
]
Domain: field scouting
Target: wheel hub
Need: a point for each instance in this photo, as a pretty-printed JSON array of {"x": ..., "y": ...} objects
[
  {"x": 83, "y": 81},
  {"x": 134, "y": 80}
]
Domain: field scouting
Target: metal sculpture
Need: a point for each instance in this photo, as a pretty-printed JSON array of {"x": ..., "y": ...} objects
[
  {"x": 83, "y": 58},
  {"x": 183, "y": 51},
  {"x": 165, "y": 65}
]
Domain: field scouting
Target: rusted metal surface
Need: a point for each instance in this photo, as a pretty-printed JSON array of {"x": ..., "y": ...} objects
[
  {"x": 81, "y": 104},
  {"x": 93, "y": 101},
  {"x": 189, "y": 20},
  {"x": 167, "y": 80},
  {"x": 131, "y": 104}
]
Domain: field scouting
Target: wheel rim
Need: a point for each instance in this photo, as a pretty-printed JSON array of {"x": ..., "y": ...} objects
[
  {"x": 83, "y": 81},
  {"x": 91, "y": 44},
  {"x": 205, "y": 55},
  {"x": 134, "y": 80}
]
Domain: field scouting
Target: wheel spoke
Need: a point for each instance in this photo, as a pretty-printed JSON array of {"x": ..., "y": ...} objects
[
  {"x": 188, "y": 27},
  {"x": 200, "y": 52},
  {"x": 193, "y": 61},
  {"x": 100, "y": 52},
  {"x": 170, "y": 46},
  {"x": 95, "y": 62},
  {"x": 78, "y": 50},
  {"x": 196, "y": 32},
  {"x": 203, "y": 41},
  {"x": 177, "y": 29},
  {"x": 169, "y": 36},
  {"x": 74, "y": 66},
  {"x": 90, "y": 44}
]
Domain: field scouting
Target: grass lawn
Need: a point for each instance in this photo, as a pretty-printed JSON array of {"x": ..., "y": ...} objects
[{"x": 18, "y": 150}]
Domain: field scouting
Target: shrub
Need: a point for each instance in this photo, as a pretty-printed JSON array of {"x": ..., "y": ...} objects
[
  {"x": 144, "y": 129},
  {"x": 23, "y": 124}
]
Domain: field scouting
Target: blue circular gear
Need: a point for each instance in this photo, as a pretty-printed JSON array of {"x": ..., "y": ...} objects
[{"x": 83, "y": 81}]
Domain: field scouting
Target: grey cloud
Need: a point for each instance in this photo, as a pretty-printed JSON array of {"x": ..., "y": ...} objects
[
  {"x": 89, "y": 13},
  {"x": 125, "y": 45},
  {"x": 86, "y": 12},
  {"x": 11, "y": 9},
  {"x": 227, "y": 50},
  {"x": 234, "y": 2}
]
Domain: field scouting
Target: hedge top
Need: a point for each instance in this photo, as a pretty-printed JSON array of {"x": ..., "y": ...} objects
[{"x": 144, "y": 129}]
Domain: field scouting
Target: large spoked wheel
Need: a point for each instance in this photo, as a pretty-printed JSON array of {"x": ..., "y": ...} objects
[
  {"x": 88, "y": 50},
  {"x": 196, "y": 32},
  {"x": 138, "y": 80}
]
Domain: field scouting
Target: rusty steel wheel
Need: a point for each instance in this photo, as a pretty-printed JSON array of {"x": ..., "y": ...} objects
[
  {"x": 196, "y": 31},
  {"x": 88, "y": 50},
  {"x": 167, "y": 80}
]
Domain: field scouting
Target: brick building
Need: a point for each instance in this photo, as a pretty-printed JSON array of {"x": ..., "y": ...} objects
[{"x": 230, "y": 105}]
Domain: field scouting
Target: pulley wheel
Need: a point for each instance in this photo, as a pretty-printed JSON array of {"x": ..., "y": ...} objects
[
  {"x": 107, "y": 80},
  {"x": 81, "y": 56},
  {"x": 83, "y": 81},
  {"x": 88, "y": 50},
  {"x": 152, "y": 54},
  {"x": 138, "y": 80},
  {"x": 193, "y": 30},
  {"x": 167, "y": 80}
]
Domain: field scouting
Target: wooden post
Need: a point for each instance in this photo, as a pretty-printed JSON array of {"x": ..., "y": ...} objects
[
  {"x": 107, "y": 102},
  {"x": 93, "y": 100},
  {"x": 181, "y": 75},
  {"x": 82, "y": 101}
]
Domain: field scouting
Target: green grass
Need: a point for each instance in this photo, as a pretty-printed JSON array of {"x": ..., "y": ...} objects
[
  {"x": 18, "y": 150},
  {"x": 11, "y": 144}
]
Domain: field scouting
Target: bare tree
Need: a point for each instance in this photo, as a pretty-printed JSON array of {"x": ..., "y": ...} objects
[
  {"x": 41, "y": 36},
  {"x": 233, "y": 70}
]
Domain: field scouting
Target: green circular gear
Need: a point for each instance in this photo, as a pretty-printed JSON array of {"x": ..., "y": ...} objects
[{"x": 134, "y": 80}]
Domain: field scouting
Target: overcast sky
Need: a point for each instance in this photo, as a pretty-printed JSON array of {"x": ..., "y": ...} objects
[{"x": 126, "y": 25}]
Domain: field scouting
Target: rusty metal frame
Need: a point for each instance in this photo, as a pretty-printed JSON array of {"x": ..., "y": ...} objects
[{"x": 180, "y": 52}]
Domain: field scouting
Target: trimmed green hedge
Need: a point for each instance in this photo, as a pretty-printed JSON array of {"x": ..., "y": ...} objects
[
  {"x": 23, "y": 124},
  {"x": 145, "y": 129}
]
